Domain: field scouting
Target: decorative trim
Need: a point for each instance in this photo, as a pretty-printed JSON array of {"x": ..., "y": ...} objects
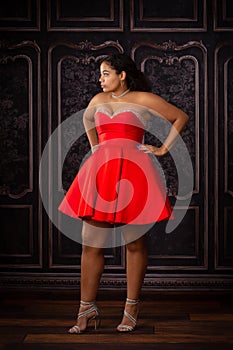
[
  {"x": 23, "y": 23},
  {"x": 166, "y": 52},
  {"x": 158, "y": 24},
  {"x": 151, "y": 283},
  {"x": 227, "y": 193},
  {"x": 26, "y": 258},
  {"x": 5, "y": 45},
  {"x": 227, "y": 257},
  {"x": 226, "y": 119},
  {"x": 31, "y": 232},
  {"x": 223, "y": 19},
  {"x": 185, "y": 258},
  {"x": 169, "y": 58},
  {"x": 87, "y": 49},
  {"x": 89, "y": 24},
  {"x": 4, "y": 189},
  {"x": 84, "y": 19}
]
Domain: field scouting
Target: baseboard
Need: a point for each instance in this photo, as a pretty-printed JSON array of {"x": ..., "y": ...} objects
[{"x": 156, "y": 282}]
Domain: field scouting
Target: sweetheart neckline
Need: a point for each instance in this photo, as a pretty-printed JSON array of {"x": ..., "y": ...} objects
[{"x": 111, "y": 116}]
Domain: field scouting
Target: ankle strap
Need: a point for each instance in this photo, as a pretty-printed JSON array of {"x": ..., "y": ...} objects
[
  {"x": 132, "y": 301},
  {"x": 87, "y": 303}
]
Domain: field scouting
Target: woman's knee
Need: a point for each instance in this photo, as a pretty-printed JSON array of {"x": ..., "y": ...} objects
[
  {"x": 132, "y": 247},
  {"x": 138, "y": 245},
  {"x": 89, "y": 250}
]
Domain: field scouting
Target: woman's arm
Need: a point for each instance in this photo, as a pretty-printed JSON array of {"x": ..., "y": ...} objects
[
  {"x": 165, "y": 110},
  {"x": 89, "y": 124}
]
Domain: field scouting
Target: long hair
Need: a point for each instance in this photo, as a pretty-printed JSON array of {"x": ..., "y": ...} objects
[{"x": 136, "y": 80}]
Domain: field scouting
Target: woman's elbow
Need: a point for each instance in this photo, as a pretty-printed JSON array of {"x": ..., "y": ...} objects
[{"x": 185, "y": 118}]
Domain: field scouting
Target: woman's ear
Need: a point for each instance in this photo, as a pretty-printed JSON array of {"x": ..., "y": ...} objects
[{"x": 123, "y": 75}]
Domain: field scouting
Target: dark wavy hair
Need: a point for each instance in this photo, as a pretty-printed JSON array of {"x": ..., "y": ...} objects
[{"x": 136, "y": 80}]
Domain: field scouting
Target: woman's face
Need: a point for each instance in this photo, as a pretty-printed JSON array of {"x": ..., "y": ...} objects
[{"x": 110, "y": 81}]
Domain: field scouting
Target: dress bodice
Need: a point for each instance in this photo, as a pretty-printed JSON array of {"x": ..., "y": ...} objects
[{"x": 128, "y": 125}]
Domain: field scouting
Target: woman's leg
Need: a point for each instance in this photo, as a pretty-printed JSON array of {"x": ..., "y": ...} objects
[
  {"x": 92, "y": 266},
  {"x": 136, "y": 255},
  {"x": 94, "y": 236}
]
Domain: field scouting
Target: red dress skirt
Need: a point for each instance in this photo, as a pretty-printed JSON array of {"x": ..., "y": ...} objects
[{"x": 118, "y": 183}]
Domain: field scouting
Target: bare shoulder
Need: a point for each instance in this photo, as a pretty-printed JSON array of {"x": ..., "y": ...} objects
[
  {"x": 147, "y": 99},
  {"x": 98, "y": 99},
  {"x": 160, "y": 106}
]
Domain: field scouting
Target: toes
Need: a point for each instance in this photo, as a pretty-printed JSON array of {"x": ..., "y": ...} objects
[{"x": 74, "y": 329}]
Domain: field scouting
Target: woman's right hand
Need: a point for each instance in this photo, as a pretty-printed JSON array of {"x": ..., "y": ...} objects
[{"x": 157, "y": 151}]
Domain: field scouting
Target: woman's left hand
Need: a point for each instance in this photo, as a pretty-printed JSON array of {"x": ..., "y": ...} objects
[{"x": 157, "y": 151}]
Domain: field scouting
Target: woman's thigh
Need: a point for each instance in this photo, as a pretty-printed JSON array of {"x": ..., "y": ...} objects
[
  {"x": 96, "y": 234},
  {"x": 131, "y": 233}
]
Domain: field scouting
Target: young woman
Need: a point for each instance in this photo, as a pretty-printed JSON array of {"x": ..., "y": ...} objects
[{"x": 115, "y": 122}]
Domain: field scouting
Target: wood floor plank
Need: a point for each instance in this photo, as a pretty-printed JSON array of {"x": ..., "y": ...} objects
[
  {"x": 29, "y": 322},
  {"x": 89, "y": 338},
  {"x": 126, "y": 338},
  {"x": 212, "y": 317},
  {"x": 180, "y": 307},
  {"x": 207, "y": 328},
  {"x": 193, "y": 338},
  {"x": 13, "y": 337},
  {"x": 60, "y": 327}
]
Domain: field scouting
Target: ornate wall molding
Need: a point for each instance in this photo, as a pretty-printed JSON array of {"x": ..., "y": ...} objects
[
  {"x": 167, "y": 53},
  {"x": 12, "y": 53},
  {"x": 20, "y": 18},
  {"x": 155, "y": 282},
  {"x": 187, "y": 252},
  {"x": 28, "y": 198},
  {"x": 222, "y": 16},
  {"x": 100, "y": 17},
  {"x": 228, "y": 123},
  {"x": 148, "y": 16},
  {"x": 184, "y": 68},
  {"x": 24, "y": 252},
  {"x": 26, "y": 122},
  {"x": 72, "y": 67},
  {"x": 28, "y": 247},
  {"x": 223, "y": 160}
]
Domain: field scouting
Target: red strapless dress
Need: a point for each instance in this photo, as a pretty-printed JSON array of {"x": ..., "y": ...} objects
[{"x": 118, "y": 183}]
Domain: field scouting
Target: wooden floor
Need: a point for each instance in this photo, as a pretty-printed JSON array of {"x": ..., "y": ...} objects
[{"x": 39, "y": 320}]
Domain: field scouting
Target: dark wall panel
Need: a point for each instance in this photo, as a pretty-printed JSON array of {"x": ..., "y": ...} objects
[
  {"x": 223, "y": 156},
  {"x": 155, "y": 16},
  {"x": 20, "y": 100},
  {"x": 80, "y": 16},
  {"x": 23, "y": 15},
  {"x": 178, "y": 74},
  {"x": 223, "y": 15},
  {"x": 73, "y": 80}
]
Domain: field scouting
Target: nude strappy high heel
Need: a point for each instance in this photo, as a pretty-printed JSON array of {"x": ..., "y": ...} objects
[
  {"x": 125, "y": 327},
  {"x": 92, "y": 311}
]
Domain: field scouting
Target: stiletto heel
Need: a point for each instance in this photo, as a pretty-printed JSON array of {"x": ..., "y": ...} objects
[
  {"x": 97, "y": 322},
  {"x": 125, "y": 327},
  {"x": 96, "y": 317}
]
